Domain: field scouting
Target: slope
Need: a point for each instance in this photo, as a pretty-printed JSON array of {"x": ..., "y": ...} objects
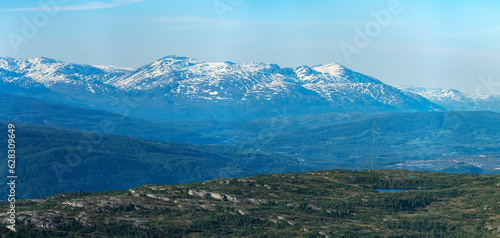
[
  {"x": 180, "y": 88},
  {"x": 332, "y": 203},
  {"x": 452, "y": 99},
  {"x": 52, "y": 160},
  {"x": 24, "y": 109},
  {"x": 436, "y": 141}
]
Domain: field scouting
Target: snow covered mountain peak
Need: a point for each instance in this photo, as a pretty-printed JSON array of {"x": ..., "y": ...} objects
[
  {"x": 168, "y": 64},
  {"x": 58, "y": 76},
  {"x": 329, "y": 74},
  {"x": 181, "y": 71},
  {"x": 42, "y": 66},
  {"x": 192, "y": 80},
  {"x": 173, "y": 69},
  {"x": 453, "y": 99},
  {"x": 44, "y": 60},
  {"x": 175, "y": 57},
  {"x": 114, "y": 69},
  {"x": 235, "y": 90},
  {"x": 176, "y": 61},
  {"x": 331, "y": 69}
]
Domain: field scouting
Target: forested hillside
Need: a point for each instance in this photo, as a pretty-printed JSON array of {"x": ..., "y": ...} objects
[
  {"x": 53, "y": 160},
  {"x": 333, "y": 203}
]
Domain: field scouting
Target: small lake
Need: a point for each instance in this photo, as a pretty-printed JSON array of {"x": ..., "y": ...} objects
[{"x": 391, "y": 190}]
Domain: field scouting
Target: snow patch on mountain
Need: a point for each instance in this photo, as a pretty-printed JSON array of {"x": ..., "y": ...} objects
[
  {"x": 114, "y": 69},
  {"x": 206, "y": 90},
  {"x": 452, "y": 99},
  {"x": 184, "y": 77}
]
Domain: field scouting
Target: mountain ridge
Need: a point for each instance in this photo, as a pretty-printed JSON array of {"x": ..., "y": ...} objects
[
  {"x": 181, "y": 88},
  {"x": 456, "y": 100}
]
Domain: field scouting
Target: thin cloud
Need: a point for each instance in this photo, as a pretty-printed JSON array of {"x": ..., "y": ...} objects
[
  {"x": 201, "y": 20},
  {"x": 196, "y": 20},
  {"x": 87, "y": 6}
]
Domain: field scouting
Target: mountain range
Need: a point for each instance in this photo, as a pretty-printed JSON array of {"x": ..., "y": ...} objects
[
  {"x": 455, "y": 100},
  {"x": 113, "y": 146},
  {"x": 180, "y": 88},
  {"x": 258, "y": 117}
]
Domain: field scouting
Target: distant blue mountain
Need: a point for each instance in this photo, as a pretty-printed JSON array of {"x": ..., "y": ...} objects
[{"x": 455, "y": 100}]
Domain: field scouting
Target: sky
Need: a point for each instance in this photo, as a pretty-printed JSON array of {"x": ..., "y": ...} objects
[{"x": 426, "y": 43}]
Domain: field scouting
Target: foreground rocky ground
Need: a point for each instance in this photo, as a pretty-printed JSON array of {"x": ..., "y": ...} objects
[{"x": 314, "y": 204}]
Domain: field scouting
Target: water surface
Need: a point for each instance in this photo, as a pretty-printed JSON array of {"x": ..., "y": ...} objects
[{"x": 392, "y": 190}]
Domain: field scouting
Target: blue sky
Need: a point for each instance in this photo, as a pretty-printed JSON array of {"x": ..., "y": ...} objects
[{"x": 425, "y": 43}]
